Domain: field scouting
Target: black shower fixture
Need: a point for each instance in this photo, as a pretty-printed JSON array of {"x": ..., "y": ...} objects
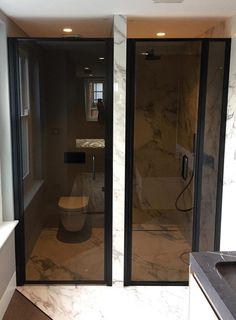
[{"x": 151, "y": 55}]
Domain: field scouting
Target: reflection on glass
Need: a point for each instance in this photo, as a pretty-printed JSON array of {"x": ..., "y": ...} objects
[
  {"x": 64, "y": 186},
  {"x": 90, "y": 143},
  {"x": 166, "y": 103},
  {"x": 215, "y": 82},
  {"x": 94, "y": 95}
]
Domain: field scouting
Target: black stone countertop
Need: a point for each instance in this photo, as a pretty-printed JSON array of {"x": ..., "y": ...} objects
[{"x": 220, "y": 294}]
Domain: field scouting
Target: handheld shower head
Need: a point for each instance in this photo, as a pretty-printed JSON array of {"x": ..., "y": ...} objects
[{"x": 150, "y": 55}]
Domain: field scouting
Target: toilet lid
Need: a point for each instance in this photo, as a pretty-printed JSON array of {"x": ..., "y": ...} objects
[{"x": 73, "y": 203}]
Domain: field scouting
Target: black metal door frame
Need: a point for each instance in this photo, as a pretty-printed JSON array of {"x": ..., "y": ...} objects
[
  {"x": 130, "y": 94},
  {"x": 17, "y": 161}
]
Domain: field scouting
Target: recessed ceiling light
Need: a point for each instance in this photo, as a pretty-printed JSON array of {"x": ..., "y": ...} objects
[
  {"x": 101, "y": 58},
  {"x": 90, "y": 75},
  {"x": 67, "y": 30},
  {"x": 86, "y": 68},
  {"x": 161, "y": 34},
  {"x": 144, "y": 53}
]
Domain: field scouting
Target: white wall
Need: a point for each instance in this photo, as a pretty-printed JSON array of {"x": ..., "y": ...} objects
[
  {"x": 6, "y": 28},
  {"x": 7, "y": 251},
  {"x": 0, "y": 195},
  {"x": 12, "y": 29},
  {"x": 7, "y": 273},
  {"x": 5, "y": 134}
]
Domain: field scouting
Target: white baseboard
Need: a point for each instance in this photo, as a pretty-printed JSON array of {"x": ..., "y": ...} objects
[{"x": 6, "y": 297}]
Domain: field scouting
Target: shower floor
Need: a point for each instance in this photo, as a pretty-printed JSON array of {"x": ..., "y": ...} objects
[
  {"x": 159, "y": 253},
  {"x": 52, "y": 259},
  {"x": 161, "y": 242},
  {"x": 160, "y": 256}
]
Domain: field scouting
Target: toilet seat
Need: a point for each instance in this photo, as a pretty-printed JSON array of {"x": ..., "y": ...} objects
[{"x": 71, "y": 203}]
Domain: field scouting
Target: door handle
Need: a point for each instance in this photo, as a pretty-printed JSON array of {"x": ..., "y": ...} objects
[{"x": 94, "y": 168}]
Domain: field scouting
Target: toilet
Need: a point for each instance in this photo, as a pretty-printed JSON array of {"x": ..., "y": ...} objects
[{"x": 73, "y": 212}]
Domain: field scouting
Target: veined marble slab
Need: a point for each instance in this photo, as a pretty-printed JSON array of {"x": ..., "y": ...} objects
[
  {"x": 102, "y": 302},
  {"x": 119, "y": 107}
]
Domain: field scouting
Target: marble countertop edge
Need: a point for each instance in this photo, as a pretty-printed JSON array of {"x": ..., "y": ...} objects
[{"x": 220, "y": 295}]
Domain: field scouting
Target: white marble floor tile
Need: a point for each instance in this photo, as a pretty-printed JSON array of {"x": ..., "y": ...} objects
[{"x": 110, "y": 303}]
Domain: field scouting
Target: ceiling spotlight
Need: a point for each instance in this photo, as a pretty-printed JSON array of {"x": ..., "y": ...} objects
[
  {"x": 87, "y": 71},
  {"x": 101, "y": 58},
  {"x": 68, "y": 30},
  {"x": 161, "y": 34},
  {"x": 144, "y": 53}
]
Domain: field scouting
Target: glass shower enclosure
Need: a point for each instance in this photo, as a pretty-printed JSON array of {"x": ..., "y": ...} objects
[
  {"x": 62, "y": 127},
  {"x": 175, "y": 129}
]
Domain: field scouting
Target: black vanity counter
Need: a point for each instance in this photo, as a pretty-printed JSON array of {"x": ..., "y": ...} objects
[{"x": 216, "y": 273}]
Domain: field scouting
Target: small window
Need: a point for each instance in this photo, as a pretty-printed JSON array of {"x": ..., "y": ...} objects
[
  {"x": 94, "y": 90},
  {"x": 25, "y": 146},
  {"x": 25, "y": 108},
  {"x": 24, "y": 84}
]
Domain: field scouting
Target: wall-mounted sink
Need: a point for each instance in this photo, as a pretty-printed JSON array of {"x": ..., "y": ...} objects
[{"x": 227, "y": 270}]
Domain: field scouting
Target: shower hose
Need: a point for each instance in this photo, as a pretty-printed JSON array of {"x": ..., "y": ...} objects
[{"x": 181, "y": 193}]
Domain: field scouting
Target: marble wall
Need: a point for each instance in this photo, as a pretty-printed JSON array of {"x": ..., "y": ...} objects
[
  {"x": 188, "y": 97},
  {"x": 218, "y": 31},
  {"x": 227, "y": 29},
  {"x": 156, "y": 104},
  {"x": 119, "y": 110},
  {"x": 165, "y": 122}
]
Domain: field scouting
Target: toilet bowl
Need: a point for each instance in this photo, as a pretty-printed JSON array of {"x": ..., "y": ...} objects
[{"x": 73, "y": 212}]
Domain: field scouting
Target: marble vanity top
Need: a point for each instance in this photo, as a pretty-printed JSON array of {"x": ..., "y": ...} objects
[{"x": 218, "y": 285}]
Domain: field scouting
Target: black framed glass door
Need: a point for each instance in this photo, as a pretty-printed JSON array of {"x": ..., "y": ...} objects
[
  {"x": 176, "y": 103},
  {"x": 62, "y": 141}
]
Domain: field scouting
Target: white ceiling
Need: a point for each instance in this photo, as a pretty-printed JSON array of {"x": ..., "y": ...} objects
[
  {"x": 95, "y": 8},
  {"x": 48, "y": 17}
]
